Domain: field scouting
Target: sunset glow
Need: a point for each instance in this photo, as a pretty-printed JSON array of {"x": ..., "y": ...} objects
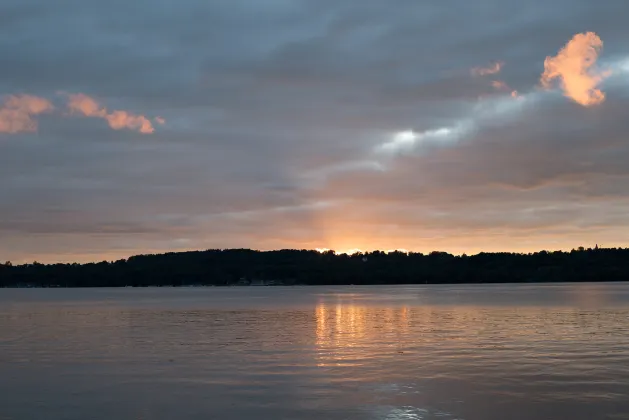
[
  {"x": 354, "y": 141},
  {"x": 314, "y": 209}
]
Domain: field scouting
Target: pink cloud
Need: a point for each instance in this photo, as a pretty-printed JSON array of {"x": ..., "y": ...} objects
[
  {"x": 82, "y": 104},
  {"x": 574, "y": 67},
  {"x": 491, "y": 69},
  {"x": 17, "y": 112},
  {"x": 85, "y": 105},
  {"x": 122, "y": 119}
]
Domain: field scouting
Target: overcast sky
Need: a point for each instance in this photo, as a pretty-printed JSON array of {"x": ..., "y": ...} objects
[{"x": 138, "y": 127}]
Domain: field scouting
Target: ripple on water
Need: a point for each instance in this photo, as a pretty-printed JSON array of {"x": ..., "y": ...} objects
[{"x": 310, "y": 353}]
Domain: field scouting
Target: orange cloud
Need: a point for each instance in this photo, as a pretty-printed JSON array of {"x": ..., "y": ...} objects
[
  {"x": 85, "y": 105},
  {"x": 82, "y": 104},
  {"x": 122, "y": 119},
  {"x": 16, "y": 114},
  {"x": 575, "y": 69},
  {"x": 492, "y": 69}
]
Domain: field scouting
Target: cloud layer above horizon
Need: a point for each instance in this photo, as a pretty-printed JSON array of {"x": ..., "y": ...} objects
[{"x": 463, "y": 127}]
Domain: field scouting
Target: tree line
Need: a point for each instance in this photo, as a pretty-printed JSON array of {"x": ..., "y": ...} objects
[{"x": 304, "y": 267}]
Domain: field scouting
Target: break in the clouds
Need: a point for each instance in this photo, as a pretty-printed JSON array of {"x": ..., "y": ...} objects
[
  {"x": 311, "y": 124},
  {"x": 18, "y": 113},
  {"x": 575, "y": 69}
]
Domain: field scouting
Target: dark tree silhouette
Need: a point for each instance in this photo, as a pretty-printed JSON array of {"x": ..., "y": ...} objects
[{"x": 244, "y": 266}]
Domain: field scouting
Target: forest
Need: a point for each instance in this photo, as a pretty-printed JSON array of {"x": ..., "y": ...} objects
[{"x": 242, "y": 267}]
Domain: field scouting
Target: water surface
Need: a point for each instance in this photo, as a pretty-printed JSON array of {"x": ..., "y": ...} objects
[{"x": 405, "y": 352}]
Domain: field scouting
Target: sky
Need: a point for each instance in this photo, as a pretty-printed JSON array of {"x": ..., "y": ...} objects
[{"x": 129, "y": 127}]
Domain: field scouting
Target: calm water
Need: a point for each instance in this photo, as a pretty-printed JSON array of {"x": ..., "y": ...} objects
[{"x": 422, "y": 352}]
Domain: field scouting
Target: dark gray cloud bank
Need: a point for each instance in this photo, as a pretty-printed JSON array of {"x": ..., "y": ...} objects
[{"x": 313, "y": 123}]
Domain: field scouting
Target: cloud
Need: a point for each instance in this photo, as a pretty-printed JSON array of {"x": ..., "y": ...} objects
[
  {"x": 83, "y": 104},
  {"x": 503, "y": 87},
  {"x": 494, "y": 111},
  {"x": 326, "y": 172},
  {"x": 408, "y": 140},
  {"x": 122, "y": 119},
  {"x": 575, "y": 68},
  {"x": 499, "y": 85},
  {"x": 286, "y": 106},
  {"x": 494, "y": 68},
  {"x": 17, "y": 112},
  {"x": 80, "y": 103}
]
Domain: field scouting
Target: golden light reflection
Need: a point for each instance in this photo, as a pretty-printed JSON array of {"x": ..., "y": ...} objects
[
  {"x": 347, "y": 333},
  {"x": 355, "y": 335}
]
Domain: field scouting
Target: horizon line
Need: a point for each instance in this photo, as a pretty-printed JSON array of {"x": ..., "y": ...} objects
[{"x": 351, "y": 252}]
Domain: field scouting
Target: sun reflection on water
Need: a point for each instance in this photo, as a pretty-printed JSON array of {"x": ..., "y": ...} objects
[
  {"x": 346, "y": 332},
  {"x": 359, "y": 342}
]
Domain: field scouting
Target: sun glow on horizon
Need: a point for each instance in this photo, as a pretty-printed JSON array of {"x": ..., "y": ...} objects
[
  {"x": 351, "y": 251},
  {"x": 355, "y": 251}
]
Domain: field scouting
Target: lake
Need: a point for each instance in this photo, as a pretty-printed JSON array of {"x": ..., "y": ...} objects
[{"x": 396, "y": 353}]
